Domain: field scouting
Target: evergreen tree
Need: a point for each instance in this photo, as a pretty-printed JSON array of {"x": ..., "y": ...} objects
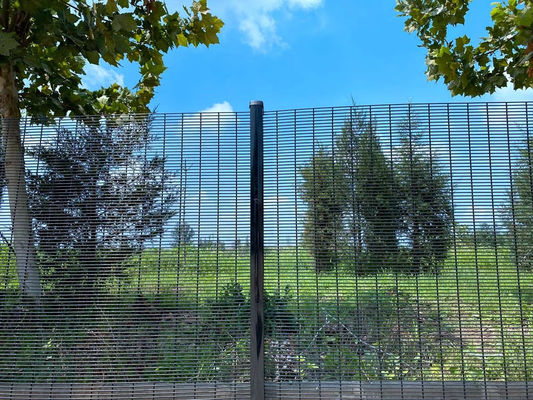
[
  {"x": 519, "y": 212},
  {"x": 347, "y": 153},
  {"x": 376, "y": 215},
  {"x": 396, "y": 214},
  {"x": 426, "y": 205},
  {"x": 98, "y": 198},
  {"x": 324, "y": 189}
]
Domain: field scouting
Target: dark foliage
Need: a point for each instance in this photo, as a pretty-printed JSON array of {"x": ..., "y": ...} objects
[
  {"x": 518, "y": 214},
  {"x": 426, "y": 205},
  {"x": 486, "y": 235},
  {"x": 324, "y": 190},
  {"x": 374, "y": 213},
  {"x": 182, "y": 234},
  {"x": 97, "y": 198}
]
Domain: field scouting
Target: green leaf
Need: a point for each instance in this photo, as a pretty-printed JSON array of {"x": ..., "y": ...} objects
[
  {"x": 157, "y": 69},
  {"x": 7, "y": 43},
  {"x": 92, "y": 56},
  {"x": 526, "y": 17},
  {"x": 122, "y": 44},
  {"x": 111, "y": 6},
  {"x": 124, "y": 22},
  {"x": 182, "y": 40},
  {"x": 465, "y": 68},
  {"x": 103, "y": 30},
  {"x": 460, "y": 42}
]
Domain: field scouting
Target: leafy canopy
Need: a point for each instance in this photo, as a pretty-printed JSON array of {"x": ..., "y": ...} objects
[
  {"x": 49, "y": 42},
  {"x": 503, "y": 56}
]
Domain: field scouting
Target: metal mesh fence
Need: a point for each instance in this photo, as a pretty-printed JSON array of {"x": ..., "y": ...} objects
[
  {"x": 398, "y": 255},
  {"x": 141, "y": 234},
  {"x": 399, "y": 251}
]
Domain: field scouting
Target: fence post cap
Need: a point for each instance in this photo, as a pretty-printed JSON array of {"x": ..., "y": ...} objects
[{"x": 256, "y": 103}]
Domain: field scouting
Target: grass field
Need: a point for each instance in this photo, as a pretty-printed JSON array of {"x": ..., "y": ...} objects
[{"x": 182, "y": 315}]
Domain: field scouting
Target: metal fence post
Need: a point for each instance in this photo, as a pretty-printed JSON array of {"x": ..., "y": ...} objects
[{"x": 257, "y": 368}]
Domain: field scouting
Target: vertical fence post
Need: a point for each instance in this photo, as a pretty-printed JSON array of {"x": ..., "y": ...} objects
[{"x": 257, "y": 351}]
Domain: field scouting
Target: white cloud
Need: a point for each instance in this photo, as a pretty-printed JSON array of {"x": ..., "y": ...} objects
[
  {"x": 257, "y": 29},
  {"x": 509, "y": 94},
  {"x": 257, "y": 19},
  {"x": 210, "y": 119},
  {"x": 306, "y": 4},
  {"x": 225, "y": 106},
  {"x": 274, "y": 200},
  {"x": 97, "y": 76},
  {"x": 499, "y": 115}
]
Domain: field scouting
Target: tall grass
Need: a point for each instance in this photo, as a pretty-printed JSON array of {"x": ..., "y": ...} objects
[{"x": 182, "y": 315}]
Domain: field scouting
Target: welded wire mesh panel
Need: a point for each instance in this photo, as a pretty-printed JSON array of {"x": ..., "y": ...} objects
[
  {"x": 399, "y": 252},
  {"x": 139, "y": 250}
]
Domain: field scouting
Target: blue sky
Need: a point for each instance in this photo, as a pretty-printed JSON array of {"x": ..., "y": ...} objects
[{"x": 301, "y": 53}]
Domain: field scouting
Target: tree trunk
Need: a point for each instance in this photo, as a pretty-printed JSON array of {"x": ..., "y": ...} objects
[{"x": 23, "y": 243}]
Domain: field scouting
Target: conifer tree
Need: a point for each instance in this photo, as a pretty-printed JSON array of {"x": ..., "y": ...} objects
[
  {"x": 324, "y": 190},
  {"x": 519, "y": 211},
  {"x": 426, "y": 205},
  {"x": 98, "y": 198}
]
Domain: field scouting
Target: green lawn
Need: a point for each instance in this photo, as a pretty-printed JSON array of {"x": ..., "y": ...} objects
[{"x": 471, "y": 321}]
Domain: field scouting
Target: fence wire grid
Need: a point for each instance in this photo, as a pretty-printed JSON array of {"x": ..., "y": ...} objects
[{"x": 398, "y": 255}]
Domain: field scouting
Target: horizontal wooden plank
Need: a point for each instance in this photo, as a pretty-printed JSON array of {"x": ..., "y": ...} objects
[{"x": 389, "y": 390}]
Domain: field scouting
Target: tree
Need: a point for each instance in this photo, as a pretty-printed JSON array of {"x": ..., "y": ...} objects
[
  {"x": 426, "y": 204},
  {"x": 44, "y": 47},
  {"x": 504, "y": 56},
  {"x": 487, "y": 235},
  {"x": 376, "y": 194},
  {"x": 96, "y": 200},
  {"x": 347, "y": 153},
  {"x": 183, "y": 234},
  {"x": 397, "y": 213},
  {"x": 518, "y": 214},
  {"x": 351, "y": 193},
  {"x": 324, "y": 190}
]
